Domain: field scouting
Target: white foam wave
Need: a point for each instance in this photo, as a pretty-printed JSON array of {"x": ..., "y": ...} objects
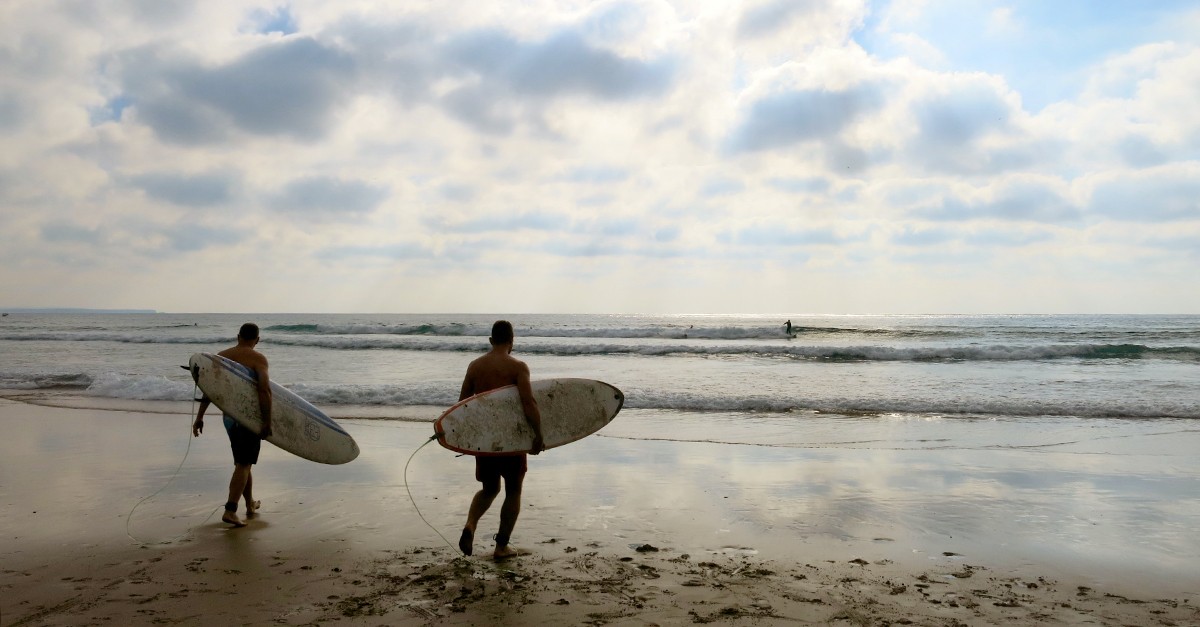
[
  {"x": 153, "y": 387},
  {"x": 140, "y": 387},
  {"x": 460, "y": 330},
  {"x": 124, "y": 338},
  {"x": 38, "y": 381}
]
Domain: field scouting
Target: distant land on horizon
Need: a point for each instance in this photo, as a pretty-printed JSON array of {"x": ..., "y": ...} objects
[{"x": 75, "y": 310}]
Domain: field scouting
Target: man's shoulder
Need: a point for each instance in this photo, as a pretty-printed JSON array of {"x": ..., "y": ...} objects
[{"x": 247, "y": 357}]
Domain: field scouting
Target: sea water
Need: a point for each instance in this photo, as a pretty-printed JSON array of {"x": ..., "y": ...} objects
[
  {"x": 954, "y": 367},
  {"x": 1041, "y": 439}
]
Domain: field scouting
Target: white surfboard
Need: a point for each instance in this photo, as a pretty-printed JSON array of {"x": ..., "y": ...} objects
[
  {"x": 493, "y": 423},
  {"x": 296, "y": 426}
]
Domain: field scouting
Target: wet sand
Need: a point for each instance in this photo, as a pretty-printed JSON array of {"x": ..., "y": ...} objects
[{"x": 622, "y": 529}]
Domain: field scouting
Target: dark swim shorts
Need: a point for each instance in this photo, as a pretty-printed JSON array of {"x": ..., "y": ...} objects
[
  {"x": 244, "y": 442},
  {"x": 493, "y": 467}
]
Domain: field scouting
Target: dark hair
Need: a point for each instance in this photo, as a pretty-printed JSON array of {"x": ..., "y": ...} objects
[
  {"x": 502, "y": 332},
  {"x": 248, "y": 332}
]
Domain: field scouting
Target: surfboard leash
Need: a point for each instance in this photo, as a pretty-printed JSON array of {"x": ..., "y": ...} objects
[
  {"x": 129, "y": 517},
  {"x": 414, "y": 501}
]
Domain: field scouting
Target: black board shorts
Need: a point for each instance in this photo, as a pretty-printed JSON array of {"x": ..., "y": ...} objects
[
  {"x": 492, "y": 468},
  {"x": 245, "y": 443}
]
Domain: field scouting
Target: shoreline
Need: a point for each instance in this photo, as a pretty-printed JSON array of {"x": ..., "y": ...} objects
[{"x": 718, "y": 542}]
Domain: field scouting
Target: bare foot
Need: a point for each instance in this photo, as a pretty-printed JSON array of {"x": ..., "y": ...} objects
[
  {"x": 465, "y": 541},
  {"x": 232, "y": 519},
  {"x": 252, "y": 509},
  {"x": 506, "y": 552}
]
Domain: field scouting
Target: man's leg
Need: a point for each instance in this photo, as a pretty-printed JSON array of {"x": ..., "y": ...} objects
[
  {"x": 509, "y": 510},
  {"x": 248, "y": 495},
  {"x": 479, "y": 505},
  {"x": 237, "y": 485}
]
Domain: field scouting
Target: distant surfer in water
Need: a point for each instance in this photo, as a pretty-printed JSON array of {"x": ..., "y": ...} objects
[
  {"x": 494, "y": 370},
  {"x": 788, "y": 325},
  {"x": 244, "y": 442}
]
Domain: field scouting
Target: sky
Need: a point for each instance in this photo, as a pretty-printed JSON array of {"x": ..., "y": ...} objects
[{"x": 623, "y": 156}]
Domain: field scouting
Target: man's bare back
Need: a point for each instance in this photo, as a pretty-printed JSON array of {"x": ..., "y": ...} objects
[{"x": 493, "y": 370}]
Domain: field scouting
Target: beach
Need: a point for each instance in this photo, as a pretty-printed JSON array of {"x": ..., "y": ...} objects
[{"x": 622, "y": 529}]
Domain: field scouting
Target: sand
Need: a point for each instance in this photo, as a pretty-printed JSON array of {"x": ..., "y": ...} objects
[{"x": 622, "y": 532}]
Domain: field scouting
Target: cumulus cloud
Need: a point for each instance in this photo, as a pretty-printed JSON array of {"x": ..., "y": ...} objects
[
  {"x": 199, "y": 190},
  {"x": 563, "y": 64},
  {"x": 291, "y": 88},
  {"x": 780, "y": 120},
  {"x": 783, "y": 235},
  {"x": 1021, "y": 199},
  {"x": 503, "y": 222},
  {"x": 1163, "y": 194},
  {"x": 327, "y": 197},
  {"x": 394, "y": 252},
  {"x": 62, "y": 232},
  {"x": 767, "y": 18}
]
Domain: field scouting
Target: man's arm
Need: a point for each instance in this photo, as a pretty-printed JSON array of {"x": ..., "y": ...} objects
[
  {"x": 530, "y": 408},
  {"x": 468, "y": 387},
  {"x": 264, "y": 399},
  {"x": 198, "y": 426}
]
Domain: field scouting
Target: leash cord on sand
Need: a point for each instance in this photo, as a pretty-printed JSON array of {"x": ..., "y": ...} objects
[
  {"x": 414, "y": 501},
  {"x": 129, "y": 518}
]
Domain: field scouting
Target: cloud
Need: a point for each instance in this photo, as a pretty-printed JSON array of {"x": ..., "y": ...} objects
[
  {"x": 600, "y": 175},
  {"x": 1163, "y": 194},
  {"x": 937, "y": 238},
  {"x": 783, "y": 119},
  {"x": 800, "y": 185},
  {"x": 1020, "y": 199},
  {"x": 1140, "y": 151},
  {"x": 781, "y": 235},
  {"x": 291, "y": 89},
  {"x": 501, "y": 222},
  {"x": 280, "y": 20},
  {"x": 958, "y": 118},
  {"x": 397, "y": 251},
  {"x": 327, "y": 197},
  {"x": 60, "y": 232},
  {"x": 199, "y": 190},
  {"x": 188, "y": 238},
  {"x": 505, "y": 81},
  {"x": 458, "y": 192},
  {"x": 584, "y": 249},
  {"x": 922, "y": 238},
  {"x": 608, "y": 227},
  {"x": 563, "y": 64},
  {"x": 668, "y": 234},
  {"x": 767, "y": 18},
  {"x": 12, "y": 113},
  {"x": 721, "y": 187}
]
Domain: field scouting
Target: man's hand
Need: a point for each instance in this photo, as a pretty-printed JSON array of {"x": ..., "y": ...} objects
[
  {"x": 538, "y": 445},
  {"x": 266, "y": 430},
  {"x": 198, "y": 427}
]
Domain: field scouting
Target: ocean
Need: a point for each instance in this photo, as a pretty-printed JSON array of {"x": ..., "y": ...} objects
[{"x": 1041, "y": 368}]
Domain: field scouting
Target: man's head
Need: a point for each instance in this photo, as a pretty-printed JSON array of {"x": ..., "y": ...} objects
[
  {"x": 502, "y": 333},
  {"x": 248, "y": 332}
]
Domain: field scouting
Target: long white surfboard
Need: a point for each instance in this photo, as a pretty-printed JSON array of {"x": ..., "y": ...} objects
[
  {"x": 493, "y": 423},
  {"x": 296, "y": 426}
]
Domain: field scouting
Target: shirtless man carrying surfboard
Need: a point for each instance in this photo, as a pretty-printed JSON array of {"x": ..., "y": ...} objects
[
  {"x": 494, "y": 370},
  {"x": 244, "y": 442}
]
